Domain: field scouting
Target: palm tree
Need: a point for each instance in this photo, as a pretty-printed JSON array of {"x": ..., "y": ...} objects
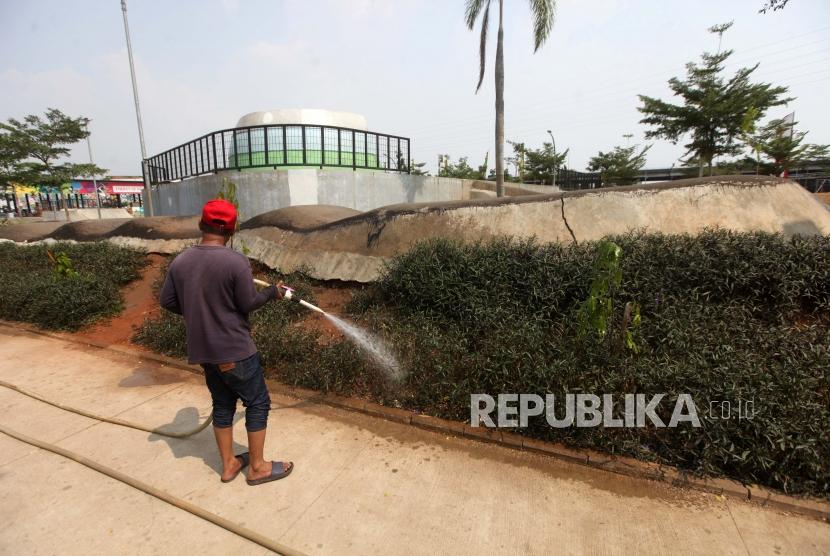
[{"x": 543, "y": 14}]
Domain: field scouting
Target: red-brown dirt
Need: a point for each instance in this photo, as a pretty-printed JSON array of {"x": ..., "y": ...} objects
[
  {"x": 825, "y": 197},
  {"x": 331, "y": 297},
  {"x": 332, "y": 300},
  {"x": 139, "y": 303}
]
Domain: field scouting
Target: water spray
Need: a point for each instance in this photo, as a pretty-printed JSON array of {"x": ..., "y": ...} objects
[{"x": 373, "y": 347}]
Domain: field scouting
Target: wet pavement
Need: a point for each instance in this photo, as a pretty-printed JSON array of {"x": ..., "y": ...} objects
[{"x": 361, "y": 485}]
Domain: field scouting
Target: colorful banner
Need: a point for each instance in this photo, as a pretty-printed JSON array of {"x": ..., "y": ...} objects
[
  {"x": 127, "y": 189},
  {"x": 111, "y": 187}
]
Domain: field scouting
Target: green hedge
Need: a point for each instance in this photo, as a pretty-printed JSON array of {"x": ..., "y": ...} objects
[
  {"x": 32, "y": 291},
  {"x": 724, "y": 316}
]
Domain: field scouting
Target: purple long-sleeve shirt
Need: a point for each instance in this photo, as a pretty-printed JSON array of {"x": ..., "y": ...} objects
[{"x": 213, "y": 288}]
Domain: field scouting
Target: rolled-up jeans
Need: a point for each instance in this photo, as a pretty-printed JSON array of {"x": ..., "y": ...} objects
[{"x": 245, "y": 381}]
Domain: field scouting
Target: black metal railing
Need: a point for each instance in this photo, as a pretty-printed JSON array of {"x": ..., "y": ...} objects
[
  {"x": 570, "y": 180},
  {"x": 281, "y": 145}
]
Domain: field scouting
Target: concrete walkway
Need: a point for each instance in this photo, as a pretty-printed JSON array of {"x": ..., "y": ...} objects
[{"x": 361, "y": 485}]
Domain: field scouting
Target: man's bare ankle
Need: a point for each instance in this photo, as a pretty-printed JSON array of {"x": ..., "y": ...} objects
[{"x": 260, "y": 466}]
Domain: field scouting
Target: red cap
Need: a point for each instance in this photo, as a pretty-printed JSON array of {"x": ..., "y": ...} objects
[{"x": 220, "y": 214}]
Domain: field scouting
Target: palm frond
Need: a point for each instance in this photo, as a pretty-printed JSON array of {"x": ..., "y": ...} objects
[
  {"x": 544, "y": 13},
  {"x": 482, "y": 49},
  {"x": 472, "y": 10}
]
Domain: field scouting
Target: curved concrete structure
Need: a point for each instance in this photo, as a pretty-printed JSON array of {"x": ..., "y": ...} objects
[
  {"x": 308, "y": 116},
  {"x": 355, "y": 248}
]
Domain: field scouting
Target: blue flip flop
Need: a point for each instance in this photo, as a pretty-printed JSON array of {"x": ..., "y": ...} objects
[
  {"x": 245, "y": 459},
  {"x": 279, "y": 470}
]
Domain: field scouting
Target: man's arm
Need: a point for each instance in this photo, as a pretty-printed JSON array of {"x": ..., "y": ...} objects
[
  {"x": 168, "y": 298},
  {"x": 245, "y": 296}
]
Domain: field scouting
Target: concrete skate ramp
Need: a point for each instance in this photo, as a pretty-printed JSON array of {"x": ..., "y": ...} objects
[
  {"x": 300, "y": 218},
  {"x": 511, "y": 189},
  {"x": 159, "y": 227},
  {"x": 88, "y": 230},
  {"x": 356, "y": 247},
  {"x": 27, "y": 231}
]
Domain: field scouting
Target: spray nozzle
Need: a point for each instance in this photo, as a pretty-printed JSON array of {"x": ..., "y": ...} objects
[{"x": 288, "y": 293}]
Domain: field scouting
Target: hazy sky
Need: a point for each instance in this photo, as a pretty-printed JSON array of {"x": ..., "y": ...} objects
[{"x": 409, "y": 66}]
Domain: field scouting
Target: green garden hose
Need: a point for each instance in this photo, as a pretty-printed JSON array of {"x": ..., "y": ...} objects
[{"x": 226, "y": 524}]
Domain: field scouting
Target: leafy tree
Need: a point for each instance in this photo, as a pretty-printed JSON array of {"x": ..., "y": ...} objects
[
  {"x": 40, "y": 144},
  {"x": 743, "y": 165},
  {"x": 536, "y": 165},
  {"x": 785, "y": 148},
  {"x": 460, "y": 170},
  {"x": 11, "y": 168},
  {"x": 749, "y": 136},
  {"x": 714, "y": 108},
  {"x": 543, "y": 12},
  {"x": 518, "y": 159},
  {"x": 417, "y": 169},
  {"x": 620, "y": 166},
  {"x": 540, "y": 164}
]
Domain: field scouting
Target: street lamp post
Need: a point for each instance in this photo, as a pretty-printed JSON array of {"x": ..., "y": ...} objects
[
  {"x": 553, "y": 141},
  {"x": 148, "y": 199}
]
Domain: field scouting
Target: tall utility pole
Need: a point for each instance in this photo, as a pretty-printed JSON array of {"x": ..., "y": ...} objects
[
  {"x": 553, "y": 141},
  {"x": 94, "y": 181},
  {"x": 145, "y": 170}
]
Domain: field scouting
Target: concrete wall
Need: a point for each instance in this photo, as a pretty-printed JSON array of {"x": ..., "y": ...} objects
[
  {"x": 263, "y": 191},
  {"x": 357, "y": 247}
]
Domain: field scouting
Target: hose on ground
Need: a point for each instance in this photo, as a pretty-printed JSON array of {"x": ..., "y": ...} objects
[
  {"x": 113, "y": 420},
  {"x": 226, "y": 524}
]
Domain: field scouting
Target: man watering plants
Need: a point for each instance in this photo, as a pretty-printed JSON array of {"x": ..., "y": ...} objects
[{"x": 212, "y": 286}]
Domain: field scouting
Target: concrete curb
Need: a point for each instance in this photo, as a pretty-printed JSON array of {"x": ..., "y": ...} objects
[{"x": 616, "y": 464}]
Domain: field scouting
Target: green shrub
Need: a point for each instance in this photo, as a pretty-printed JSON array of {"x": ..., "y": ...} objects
[
  {"x": 101, "y": 259},
  {"x": 723, "y": 316},
  {"x": 33, "y": 291},
  {"x": 164, "y": 333}
]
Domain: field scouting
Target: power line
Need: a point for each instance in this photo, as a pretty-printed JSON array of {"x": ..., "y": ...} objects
[
  {"x": 619, "y": 97},
  {"x": 638, "y": 81},
  {"x": 455, "y": 140}
]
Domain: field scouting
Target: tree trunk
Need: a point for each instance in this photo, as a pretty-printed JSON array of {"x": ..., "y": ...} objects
[
  {"x": 65, "y": 205},
  {"x": 500, "y": 105},
  {"x": 16, "y": 205},
  {"x": 700, "y": 165}
]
